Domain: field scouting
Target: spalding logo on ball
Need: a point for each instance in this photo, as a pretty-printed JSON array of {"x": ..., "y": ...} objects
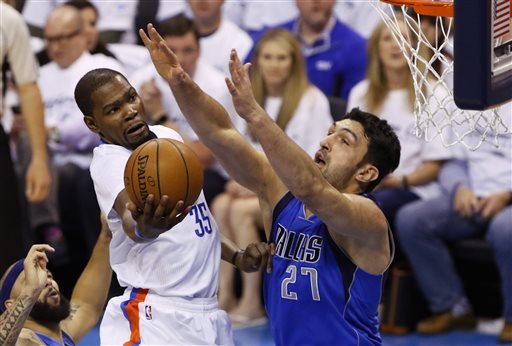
[{"x": 163, "y": 167}]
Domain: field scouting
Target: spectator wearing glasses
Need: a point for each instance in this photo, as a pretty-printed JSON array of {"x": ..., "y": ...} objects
[{"x": 89, "y": 14}]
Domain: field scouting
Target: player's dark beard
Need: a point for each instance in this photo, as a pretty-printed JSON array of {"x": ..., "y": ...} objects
[{"x": 44, "y": 312}]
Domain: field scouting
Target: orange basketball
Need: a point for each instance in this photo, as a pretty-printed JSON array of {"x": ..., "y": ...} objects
[{"x": 163, "y": 167}]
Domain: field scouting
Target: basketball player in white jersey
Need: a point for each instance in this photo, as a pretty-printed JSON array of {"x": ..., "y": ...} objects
[{"x": 166, "y": 256}]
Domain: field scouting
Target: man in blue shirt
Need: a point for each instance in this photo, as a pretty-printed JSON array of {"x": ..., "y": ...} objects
[{"x": 335, "y": 54}]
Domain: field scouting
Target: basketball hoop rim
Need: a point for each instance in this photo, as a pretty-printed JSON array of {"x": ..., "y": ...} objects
[{"x": 426, "y": 7}]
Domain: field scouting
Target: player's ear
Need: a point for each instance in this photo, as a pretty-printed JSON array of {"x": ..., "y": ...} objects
[
  {"x": 367, "y": 173},
  {"x": 91, "y": 123}
]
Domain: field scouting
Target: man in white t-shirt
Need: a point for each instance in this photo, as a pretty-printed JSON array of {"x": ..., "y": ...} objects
[
  {"x": 218, "y": 35},
  {"x": 166, "y": 256}
]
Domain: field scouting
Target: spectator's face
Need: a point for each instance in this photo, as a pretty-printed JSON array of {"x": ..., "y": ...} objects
[
  {"x": 205, "y": 9},
  {"x": 389, "y": 51},
  {"x": 118, "y": 114},
  {"x": 90, "y": 29},
  {"x": 186, "y": 49},
  {"x": 315, "y": 13},
  {"x": 275, "y": 63},
  {"x": 65, "y": 40}
]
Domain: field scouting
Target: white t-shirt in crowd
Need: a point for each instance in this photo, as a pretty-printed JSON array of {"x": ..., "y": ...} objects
[
  {"x": 113, "y": 15},
  {"x": 57, "y": 87},
  {"x": 308, "y": 125},
  {"x": 397, "y": 112},
  {"x": 216, "y": 48},
  {"x": 182, "y": 262}
]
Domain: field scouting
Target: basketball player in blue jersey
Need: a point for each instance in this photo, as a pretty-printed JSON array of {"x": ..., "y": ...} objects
[
  {"x": 34, "y": 312},
  {"x": 333, "y": 244}
]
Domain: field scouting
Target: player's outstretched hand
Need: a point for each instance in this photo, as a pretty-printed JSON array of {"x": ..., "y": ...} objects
[
  {"x": 156, "y": 219},
  {"x": 165, "y": 61},
  {"x": 34, "y": 266},
  {"x": 255, "y": 257},
  {"x": 241, "y": 89}
]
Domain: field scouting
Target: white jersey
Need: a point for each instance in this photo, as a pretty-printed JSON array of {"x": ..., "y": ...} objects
[{"x": 182, "y": 262}]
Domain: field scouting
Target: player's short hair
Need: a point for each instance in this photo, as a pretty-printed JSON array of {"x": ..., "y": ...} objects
[
  {"x": 383, "y": 144},
  {"x": 178, "y": 25},
  {"x": 89, "y": 83}
]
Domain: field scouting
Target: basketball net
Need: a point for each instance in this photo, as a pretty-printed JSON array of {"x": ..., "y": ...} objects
[{"x": 431, "y": 67}]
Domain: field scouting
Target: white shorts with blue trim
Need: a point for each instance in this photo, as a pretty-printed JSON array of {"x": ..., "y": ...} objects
[{"x": 139, "y": 317}]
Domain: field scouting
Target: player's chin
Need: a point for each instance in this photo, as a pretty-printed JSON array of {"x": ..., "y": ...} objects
[{"x": 138, "y": 137}]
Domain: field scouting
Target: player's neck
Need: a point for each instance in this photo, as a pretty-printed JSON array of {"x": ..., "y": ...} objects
[{"x": 51, "y": 330}]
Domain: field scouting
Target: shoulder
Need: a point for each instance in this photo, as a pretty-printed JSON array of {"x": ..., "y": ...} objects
[
  {"x": 357, "y": 94},
  {"x": 28, "y": 338},
  {"x": 165, "y": 132},
  {"x": 10, "y": 16},
  {"x": 315, "y": 93}
]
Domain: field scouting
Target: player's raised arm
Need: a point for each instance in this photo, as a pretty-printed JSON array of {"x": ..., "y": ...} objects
[
  {"x": 212, "y": 123},
  {"x": 90, "y": 292},
  {"x": 345, "y": 214}
]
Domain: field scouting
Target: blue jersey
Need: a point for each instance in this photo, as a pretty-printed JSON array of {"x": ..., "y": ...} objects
[
  {"x": 50, "y": 342},
  {"x": 315, "y": 295}
]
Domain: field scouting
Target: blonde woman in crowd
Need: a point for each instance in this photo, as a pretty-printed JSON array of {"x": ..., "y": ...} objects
[
  {"x": 281, "y": 86},
  {"x": 388, "y": 92}
]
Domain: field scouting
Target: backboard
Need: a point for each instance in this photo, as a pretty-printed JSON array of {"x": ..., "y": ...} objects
[{"x": 482, "y": 53}]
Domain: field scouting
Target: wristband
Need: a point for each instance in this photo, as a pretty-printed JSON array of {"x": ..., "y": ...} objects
[
  {"x": 140, "y": 236},
  {"x": 235, "y": 255}
]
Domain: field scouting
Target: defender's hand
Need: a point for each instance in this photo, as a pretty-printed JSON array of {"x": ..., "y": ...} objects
[
  {"x": 165, "y": 61},
  {"x": 255, "y": 257},
  {"x": 241, "y": 89}
]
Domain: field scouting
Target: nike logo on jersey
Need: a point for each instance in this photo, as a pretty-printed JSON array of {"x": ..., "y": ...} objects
[{"x": 299, "y": 247}]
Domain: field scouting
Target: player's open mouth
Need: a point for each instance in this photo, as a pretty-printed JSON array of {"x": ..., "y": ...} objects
[
  {"x": 136, "y": 129},
  {"x": 319, "y": 160}
]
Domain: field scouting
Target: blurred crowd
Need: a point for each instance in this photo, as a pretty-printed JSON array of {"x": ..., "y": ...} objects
[{"x": 311, "y": 61}]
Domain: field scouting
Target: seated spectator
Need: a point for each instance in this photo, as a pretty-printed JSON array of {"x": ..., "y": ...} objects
[
  {"x": 257, "y": 16},
  {"x": 478, "y": 202},
  {"x": 388, "y": 92},
  {"x": 180, "y": 34},
  {"x": 335, "y": 54},
  {"x": 280, "y": 86},
  {"x": 218, "y": 35},
  {"x": 70, "y": 140},
  {"x": 115, "y": 24},
  {"x": 89, "y": 15}
]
